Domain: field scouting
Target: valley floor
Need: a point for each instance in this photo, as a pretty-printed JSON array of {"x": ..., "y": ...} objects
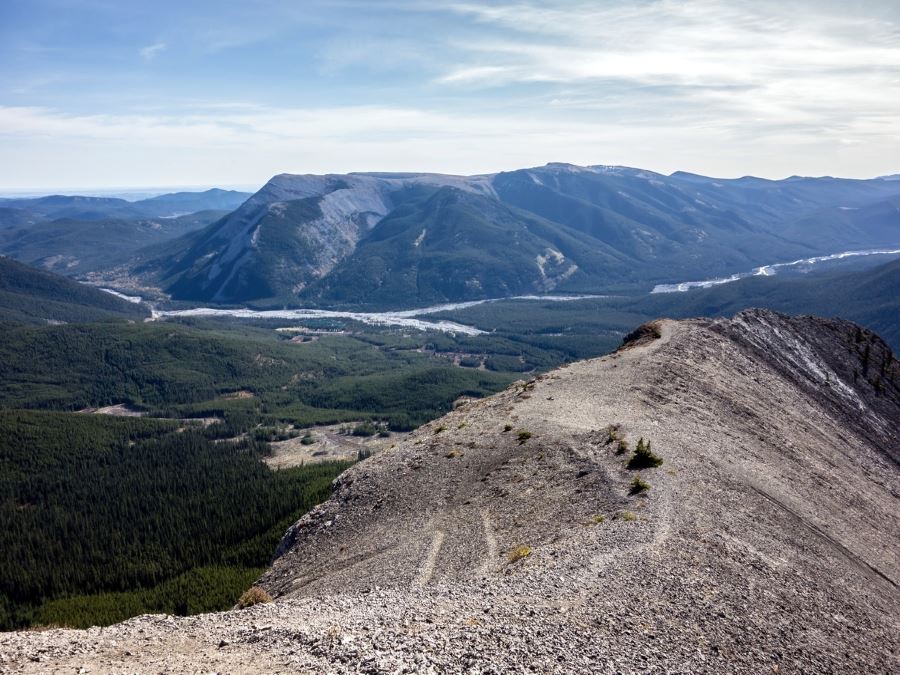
[{"x": 330, "y": 443}]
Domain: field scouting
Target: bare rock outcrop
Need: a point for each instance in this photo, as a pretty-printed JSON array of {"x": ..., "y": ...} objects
[{"x": 511, "y": 535}]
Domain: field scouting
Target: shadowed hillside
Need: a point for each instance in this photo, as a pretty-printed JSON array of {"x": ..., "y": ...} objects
[{"x": 35, "y": 296}]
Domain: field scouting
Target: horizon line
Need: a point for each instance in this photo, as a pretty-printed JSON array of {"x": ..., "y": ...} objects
[{"x": 74, "y": 191}]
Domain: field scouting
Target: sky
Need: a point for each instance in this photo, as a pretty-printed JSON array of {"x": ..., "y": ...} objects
[{"x": 113, "y": 93}]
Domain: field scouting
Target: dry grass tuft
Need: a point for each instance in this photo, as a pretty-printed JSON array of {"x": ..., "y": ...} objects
[
  {"x": 518, "y": 553},
  {"x": 253, "y": 596}
]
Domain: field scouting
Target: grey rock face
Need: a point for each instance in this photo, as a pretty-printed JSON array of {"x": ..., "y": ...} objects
[{"x": 292, "y": 232}]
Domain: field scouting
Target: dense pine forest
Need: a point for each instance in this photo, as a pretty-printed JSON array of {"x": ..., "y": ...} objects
[{"x": 93, "y": 505}]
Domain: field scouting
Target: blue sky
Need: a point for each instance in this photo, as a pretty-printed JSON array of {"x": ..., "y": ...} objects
[{"x": 104, "y": 93}]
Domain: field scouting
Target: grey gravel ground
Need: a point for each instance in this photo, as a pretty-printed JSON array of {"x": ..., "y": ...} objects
[{"x": 767, "y": 542}]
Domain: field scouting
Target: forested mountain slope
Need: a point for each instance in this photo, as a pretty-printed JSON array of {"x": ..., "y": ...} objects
[{"x": 35, "y": 296}]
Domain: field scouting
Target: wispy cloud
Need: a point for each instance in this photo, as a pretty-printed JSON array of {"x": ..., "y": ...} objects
[
  {"x": 249, "y": 124},
  {"x": 703, "y": 41},
  {"x": 735, "y": 61},
  {"x": 239, "y": 125},
  {"x": 149, "y": 52}
]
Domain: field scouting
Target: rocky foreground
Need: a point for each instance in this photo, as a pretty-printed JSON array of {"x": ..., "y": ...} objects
[{"x": 512, "y": 536}]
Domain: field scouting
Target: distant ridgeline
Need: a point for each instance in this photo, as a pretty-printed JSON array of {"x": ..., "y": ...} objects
[
  {"x": 383, "y": 240},
  {"x": 76, "y": 235},
  {"x": 406, "y": 240}
]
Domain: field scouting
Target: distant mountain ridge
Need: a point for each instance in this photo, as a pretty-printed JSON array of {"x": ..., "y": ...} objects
[
  {"x": 353, "y": 238},
  {"x": 454, "y": 244},
  {"x": 291, "y": 233},
  {"x": 98, "y": 208},
  {"x": 74, "y": 246},
  {"x": 76, "y": 235}
]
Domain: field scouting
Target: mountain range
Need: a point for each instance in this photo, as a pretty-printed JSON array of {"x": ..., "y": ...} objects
[
  {"x": 77, "y": 235},
  {"x": 393, "y": 240},
  {"x": 80, "y": 207},
  {"x": 389, "y": 240}
]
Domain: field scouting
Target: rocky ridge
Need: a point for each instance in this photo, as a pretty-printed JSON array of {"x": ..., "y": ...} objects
[{"x": 509, "y": 536}]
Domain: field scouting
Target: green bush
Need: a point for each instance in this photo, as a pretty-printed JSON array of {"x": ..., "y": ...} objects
[
  {"x": 643, "y": 457},
  {"x": 364, "y": 430},
  {"x": 612, "y": 434},
  {"x": 638, "y": 486}
]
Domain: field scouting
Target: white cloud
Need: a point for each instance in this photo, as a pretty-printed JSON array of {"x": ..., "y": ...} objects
[
  {"x": 745, "y": 65},
  {"x": 242, "y": 143},
  {"x": 149, "y": 52},
  {"x": 485, "y": 74}
]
